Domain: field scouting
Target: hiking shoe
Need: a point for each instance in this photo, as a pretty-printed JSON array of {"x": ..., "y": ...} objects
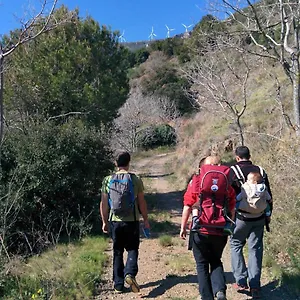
[
  {"x": 130, "y": 280},
  {"x": 118, "y": 290},
  {"x": 240, "y": 287},
  {"x": 255, "y": 293},
  {"x": 221, "y": 295}
]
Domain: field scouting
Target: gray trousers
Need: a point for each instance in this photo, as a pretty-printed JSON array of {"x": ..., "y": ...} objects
[{"x": 251, "y": 231}]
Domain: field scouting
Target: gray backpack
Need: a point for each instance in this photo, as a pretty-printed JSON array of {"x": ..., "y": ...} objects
[{"x": 121, "y": 195}]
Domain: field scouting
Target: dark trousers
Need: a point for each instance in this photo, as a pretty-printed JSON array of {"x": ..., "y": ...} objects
[
  {"x": 125, "y": 236},
  {"x": 207, "y": 250}
]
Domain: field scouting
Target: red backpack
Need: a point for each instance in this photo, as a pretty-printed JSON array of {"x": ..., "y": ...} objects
[{"x": 212, "y": 187}]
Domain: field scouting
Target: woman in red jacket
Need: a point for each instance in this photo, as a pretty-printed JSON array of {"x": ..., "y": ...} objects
[{"x": 209, "y": 241}]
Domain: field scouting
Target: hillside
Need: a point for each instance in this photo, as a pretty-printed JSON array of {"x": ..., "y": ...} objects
[
  {"x": 134, "y": 46},
  {"x": 74, "y": 96}
]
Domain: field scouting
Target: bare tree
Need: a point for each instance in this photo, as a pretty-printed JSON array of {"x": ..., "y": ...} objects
[
  {"x": 136, "y": 113},
  {"x": 220, "y": 77},
  {"x": 41, "y": 22},
  {"x": 272, "y": 30}
]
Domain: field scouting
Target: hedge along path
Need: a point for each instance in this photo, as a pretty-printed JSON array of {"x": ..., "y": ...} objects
[{"x": 169, "y": 272}]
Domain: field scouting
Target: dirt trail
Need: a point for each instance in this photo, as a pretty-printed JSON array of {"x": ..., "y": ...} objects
[{"x": 169, "y": 272}]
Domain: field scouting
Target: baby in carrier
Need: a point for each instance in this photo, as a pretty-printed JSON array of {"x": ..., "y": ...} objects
[{"x": 253, "y": 200}]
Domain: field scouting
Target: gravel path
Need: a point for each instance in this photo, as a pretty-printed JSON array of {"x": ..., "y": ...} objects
[{"x": 169, "y": 272}]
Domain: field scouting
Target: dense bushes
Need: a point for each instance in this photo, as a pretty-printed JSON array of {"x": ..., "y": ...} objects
[
  {"x": 155, "y": 136},
  {"x": 51, "y": 173},
  {"x": 51, "y": 180}
]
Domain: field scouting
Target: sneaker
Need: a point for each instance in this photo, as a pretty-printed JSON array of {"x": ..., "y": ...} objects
[
  {"x": 118, "y": 290},
  {"x": 130, "y": 280},
  {"x": 221, "y": 295},
  {"x": 240, "y": 287},
  {"x": 255, "y": 293}
]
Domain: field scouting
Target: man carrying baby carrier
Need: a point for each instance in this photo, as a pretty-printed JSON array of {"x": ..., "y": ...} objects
[
  {"x": 211, "y": 193},
  {"x": 253, "y": 210}
]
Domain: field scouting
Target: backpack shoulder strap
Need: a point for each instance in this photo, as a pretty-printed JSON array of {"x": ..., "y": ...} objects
[
  {"x": 238, "y": 173},
  {"x": 262, "y": 172}
]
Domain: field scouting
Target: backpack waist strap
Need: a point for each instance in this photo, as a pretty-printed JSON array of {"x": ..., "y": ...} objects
[{"x": 242, "y": 218}]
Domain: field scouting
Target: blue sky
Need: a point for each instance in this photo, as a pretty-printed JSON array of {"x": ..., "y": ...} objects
[{"x": 135, "y": 17}]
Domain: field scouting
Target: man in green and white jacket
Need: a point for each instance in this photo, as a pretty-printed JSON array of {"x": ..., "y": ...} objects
[{"x": 124, "y": 231}]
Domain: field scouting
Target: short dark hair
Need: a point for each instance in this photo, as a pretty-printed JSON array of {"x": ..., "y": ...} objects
[
  {"x": 242, "y": 152},
  {"x": 123, "y": 159}
]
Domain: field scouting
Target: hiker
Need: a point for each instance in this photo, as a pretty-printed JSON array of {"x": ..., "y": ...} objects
[
  {"x": 122, "y": 199},
  {"x": 217, "y": 199},
  {"x": 249, "y": 226}
]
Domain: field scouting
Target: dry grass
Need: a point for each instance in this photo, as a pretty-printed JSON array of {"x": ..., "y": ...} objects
[{"x": 274, "y": 148}]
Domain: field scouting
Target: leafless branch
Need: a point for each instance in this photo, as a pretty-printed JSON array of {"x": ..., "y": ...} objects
[
  {"x": 260, "y": 21},
  {"x": 30, "y": 29},
  {"x": 67, "y": 114}
]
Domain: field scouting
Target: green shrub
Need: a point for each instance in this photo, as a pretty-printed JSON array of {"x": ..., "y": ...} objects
[
  {"x": 166, "y": 241},
  {"x": 156, "y": 136},
  {"x": 70, "y": 271},
  {"x": 51, "y": 177}
]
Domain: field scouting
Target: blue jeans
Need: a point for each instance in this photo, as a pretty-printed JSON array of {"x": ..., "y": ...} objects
[
  {"x": 207, "y": 250},
  {"x": 125, "y": 236},
  {"x": 253, "y": 232}
]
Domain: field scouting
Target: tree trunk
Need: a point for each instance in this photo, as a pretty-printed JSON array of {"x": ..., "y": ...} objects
[
  {"x": 1, "y": 94},
  {"x": 296, "y": 93},
  {"x": 241, "y": 134}
]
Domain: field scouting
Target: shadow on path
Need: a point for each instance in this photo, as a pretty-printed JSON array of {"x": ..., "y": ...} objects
[
  {"x": 165, "y": 202},
  {"x": 161, "y": 286},
  {"x": 148, "y": 175},
  {"x": 273, "y": 291}
]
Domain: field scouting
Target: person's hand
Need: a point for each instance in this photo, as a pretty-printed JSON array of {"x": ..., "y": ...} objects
[
  {"x": 105, "y": 227},
  {"x": 146, "y": 224},
  {"x": 182, "y": 233},
  {"x": 268, "y": 219}
]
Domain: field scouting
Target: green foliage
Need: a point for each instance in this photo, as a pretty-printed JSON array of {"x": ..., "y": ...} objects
[
  {"x": 165, "y": 240},
  {"x": 79, "y": 67},
  {"x": 162, "y": 226},
  {"x": 166, "y": 82},
  {"x": 205, "y": 33},
  {"x": 156, "y": 136},
  {"x": 51, "y": 176},
  {"x": 141, "y": 56},
  {"x": 174, "y": 46},
  {"x": 70, "y": 271}
]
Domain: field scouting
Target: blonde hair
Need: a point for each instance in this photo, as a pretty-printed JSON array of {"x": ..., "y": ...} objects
[{"x": 212, "y": 160}]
